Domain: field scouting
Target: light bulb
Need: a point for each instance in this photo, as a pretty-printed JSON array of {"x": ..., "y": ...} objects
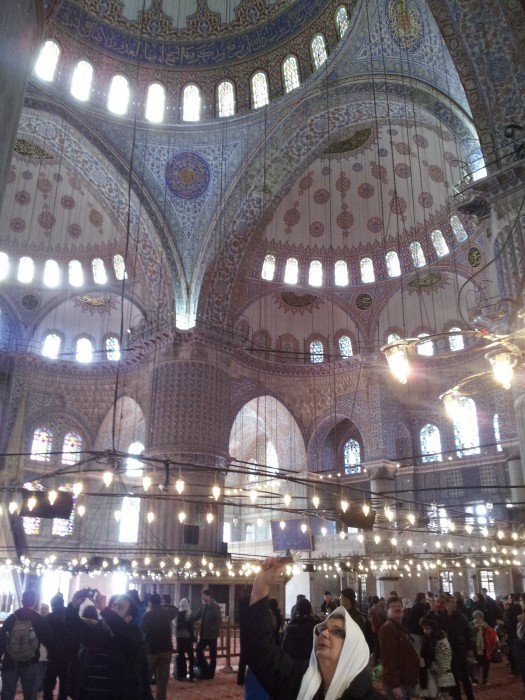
[
  {"x": 344, "y": 506},
  {"x": 366, "y": 509},
  {"x": 118, "y": 515},
  {"x": 77, "y": 488},
  {"x": 209, "y": 518},
  {"x": 316, "y": 501},
  {"x": 253, "y": 495},
  {"x": 13, "y": 506},
  {"x": 179, "y": 486},
  {"x": 182, "y": 517},
  {"x": 323, "y": 531},
  {"x": 150, "y": 516},
  {"x": 287, "y": 499},
  {"x": 107, "y": 478},
  {"x": 303, "y": 528},
  {"x": 282, "y": 524},
  {"x": 452, "y": 402},
  {"x": 502, "y": 362},
  {"x": 411, "y": 518},
  {"x": 52, "y": 495},
  {"x": 216, "y": 492},
  {"x": 146, "y": 482},
  {"x": 31, "y": 502},
  {"x": 397, "y": 358},
  {"x": 81, "y": 510},
  {"x": 147, "y": 561}
]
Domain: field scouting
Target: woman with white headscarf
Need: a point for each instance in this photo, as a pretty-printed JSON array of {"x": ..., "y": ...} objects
[
  {"x": 184, "y": 632},
  {"x": 337, "y": 666}
]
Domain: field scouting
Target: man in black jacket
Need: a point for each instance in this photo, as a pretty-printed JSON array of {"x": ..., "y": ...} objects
[
  {"x": 456, "y": 627},
  {"x": 20, "y": 639},
  {"x": 156, "y": 628},
  {"x": 57, "y": 658}
]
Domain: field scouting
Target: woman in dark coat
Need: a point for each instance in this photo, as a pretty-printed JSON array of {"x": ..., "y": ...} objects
[{"x": 298, "y": 635}]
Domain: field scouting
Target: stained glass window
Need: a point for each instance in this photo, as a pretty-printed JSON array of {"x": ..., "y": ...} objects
[
  {"x": 341, "y": 21},
  {"x": 426, "y": 347},
  {"x": 63, "y": 527},
  {"x": 260, "y": 94},
  {"x": 51, "y": 346},
  {"x": 466, "y": 434},
  {"x": 291, "y": 73},
  {"x": 51, "y": 273},
  {"x": 84, "y": 350},
  {"x": 417, "y": 254},
  {"x": 99, "y": 271},
  {"x": 268, "y": 268},
  {"x": 315, "y": 274},
  {"x": 367, "y": 270},
  {"x": 75, "y": 273},
  {"x": 352, "y": 457},
  {"x": 32, "y": 526},
  {"x": 430, "y": 442},
  {"x": 42, "y": 445},
  {"x": 318, "y": 48},
  {"x": 455, "y": 342},
  {"x": 129, "y": 520},
  {"x": 439, "y": 243},
  {"x": 134, "y": 466},
  {"x": 71, "y": 448},
  {"x": 341, "y": 273},
  {"x": 119, "y": 266},
  {"x": 118, "y": 96},
  {"x": 191, "y": 104},
  {"x": 345, "y": 347},
  {"x": 26, "y": 269},
  {"x": 4, "y": 265},
  {"x": 155, "y": 103},
  {"x": 393, "y": 266},
  {"x": 226, "y": 98},
  {"x": 316, "y": 351},
  {"x": 47, "y": 61},
  {"x": 112, "y": 348},
  {"x": 458, "y": 229},
  {"x": 291, "y": 271},
  {"x": 81, "y": 81},
  {"x": 497, "y": 432}
]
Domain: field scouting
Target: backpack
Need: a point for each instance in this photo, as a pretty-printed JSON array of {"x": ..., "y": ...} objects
[{"x": 22, "y": 642}]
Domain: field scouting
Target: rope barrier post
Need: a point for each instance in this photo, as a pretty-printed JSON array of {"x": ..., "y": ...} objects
[{"x": 228, "y": 667}]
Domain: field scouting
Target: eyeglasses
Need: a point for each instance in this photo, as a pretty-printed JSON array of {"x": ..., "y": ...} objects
[{"x": 334, "y": 631}]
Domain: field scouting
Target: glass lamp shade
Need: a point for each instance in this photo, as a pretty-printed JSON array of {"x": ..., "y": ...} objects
[
  {"x": 451, "y": 401},
  {"x": 502, "y": 362},
  {"x": 397, "y": 358}
]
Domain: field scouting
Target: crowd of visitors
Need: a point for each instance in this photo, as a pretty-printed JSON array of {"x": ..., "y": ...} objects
[{"x": 98, "y": 650}]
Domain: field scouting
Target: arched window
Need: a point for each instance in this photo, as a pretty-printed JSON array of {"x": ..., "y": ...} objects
[
  {"x": 367, "y": 270},
  {"x": 63, "y": 527},
  {"x": 392, "y": 337},
  {"x": 352, "y": 457},
  {"x": 341, "y": 273},
  {"x": 129, "y": 520},
  {"x": 316, "y": 352},
  {"x": 497, "y": 433},
  {"x": 318, "y": 49},
  {"x": 46, "y": 64},
  {"x": 26, "y": 270},
  {"x": 315, "y": 273},
  {"x": 42, "y": 445},
  {"x": 291, "y": 271},
  {"x": 75, "y": 273},
  {"x": 268, "y": 268},
  {"x": 466, "y": 434},
  {"x": 226, "y": 99},
  {"x": 118, "y": 96},
  {"x": 81, "y": 81},
  {"x": 439, "y": 243},
  {"x": 51, "y": 273},
  {"x": 4, "y": 266},
  {"x": 119, "y": 266},
  {"x": 260, "y": 93},
  {"x": 71, "y": 448},
  {"x": 51, "y": 346},
  {"x": 291, "y": 73},
  {"x": 393, "y": 266},
  {"x": 430, "y": 442},
  {"x": 345, "y": 347},
  {"x": 455, "y": 342},
  {"x": 134, "y": 467},
  {"x": 84, "y": 350},
  {"x": 155, "y": 103},
  {"x": 458, "y": 229},
  {"x": 426, "y": 347},
  {"x": 417, "y": 254},
  {"x": 341, "y": 21},
  {"x": 191, "y": 104},
  {"x": 99, "y": 271},
  {"x": 112, "y": 348}
]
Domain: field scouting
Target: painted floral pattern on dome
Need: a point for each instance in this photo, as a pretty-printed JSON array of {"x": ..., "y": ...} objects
[
  {"x": 57, "y": 177},
  {"x": 397, "y": 204},
  {"x": 67, "y": 202},
  {"x": 326, "y": 170},
  {"x": 342, "y": 183},
  {"x": 17, "y": 225},
  {"x": 405, "y": 24},
  {"x": 365, "y": 190},
  {"x": 345, "y": 220},
  {"x": 306, "y": 182},
  {"x": 499, "y": 68},
  {"x": 436, "y": 173},
  {"x": 403, "y": 148},
  {"x": 321, "y": 196},
  {"x": 74, "y": 230},
  {"x": 357, "y": 167},
  {"x": 292, "y": 217},
  {"x": 420, "y": 140},
  {"x": 27, "y": 175},
  {"x": 44, "y": 184},
  {"x": 383, "y": 152},
  {"x": 375, "y": 224},
  {"x": 95, "y": 218},
  {"x": 402, "y": 170},
  {"x": 75, "y": 183},
  {"x": 451, "y": 159},
  {"x": 22, "y": 197},
  {"x": 187, "y": 175},
  {"x": 11, "y": 175},
  {"x": 379, "y": 172},
  {"x": 316, "y": 229},
  {"x": 47, "y": 220},
  {"x": 425, "y": 199}
]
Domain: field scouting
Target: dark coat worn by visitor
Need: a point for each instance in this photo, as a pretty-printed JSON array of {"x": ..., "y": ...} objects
[
  {"x": 298, "y": 637},
  {"x": 276, "y": 670}
]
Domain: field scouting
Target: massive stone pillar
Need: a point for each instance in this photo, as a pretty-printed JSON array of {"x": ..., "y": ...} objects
[{"x": 21, "y": 32}]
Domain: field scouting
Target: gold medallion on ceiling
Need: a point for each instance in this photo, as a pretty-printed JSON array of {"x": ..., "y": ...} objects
[
  {"x": 31, "y": 150},
  {"x": 429, "y": 280},
  {"x": 364, "y": 302},
  {"x": 95, "y": 300},
  {"x": 358, "y": 139},
  {"x": 293, "y": 299},
  {"x": 474, "y": 257}
]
